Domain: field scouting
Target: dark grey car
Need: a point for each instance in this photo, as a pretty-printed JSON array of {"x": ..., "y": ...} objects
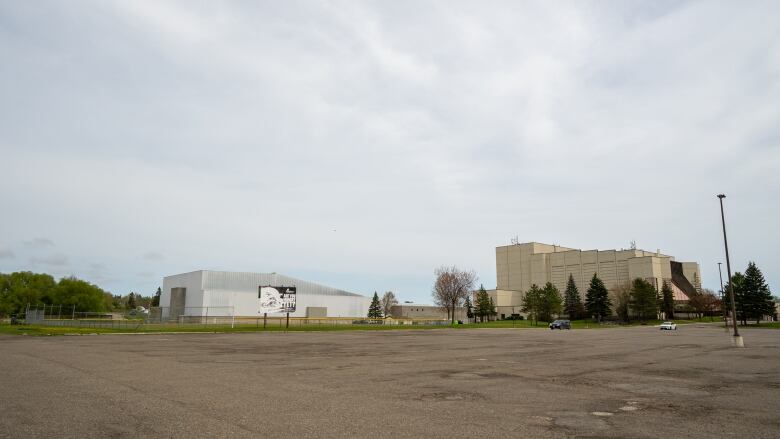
[{"x": 560, "y": 324}]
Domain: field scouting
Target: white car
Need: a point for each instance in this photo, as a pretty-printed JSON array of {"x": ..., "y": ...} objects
[{"x": 668, "y": 326}]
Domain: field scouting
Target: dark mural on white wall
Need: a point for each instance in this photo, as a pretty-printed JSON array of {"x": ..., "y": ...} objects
[{"x": 276, "y": 299}]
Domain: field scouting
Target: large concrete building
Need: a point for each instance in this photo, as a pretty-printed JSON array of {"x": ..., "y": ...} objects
[
  {"x": 415, "y": 311},
  {"x": 518, "y": 266},
  {"x": 212, "y": 293}
]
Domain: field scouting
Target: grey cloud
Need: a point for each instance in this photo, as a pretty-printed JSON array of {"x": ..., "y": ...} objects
[
  {"x": 54, "y": 260},
  {"x": 153, "y": 256},
  {"x": 39, "y": 243},
  {"x": 6, "y": 254},
  {"x": 416, "y": 134}
]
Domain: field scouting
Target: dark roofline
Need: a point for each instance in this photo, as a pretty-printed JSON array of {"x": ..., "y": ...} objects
[{"x": 679, "y": 279}]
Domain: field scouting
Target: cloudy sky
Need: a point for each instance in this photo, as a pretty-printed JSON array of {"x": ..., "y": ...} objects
[{"x": 363, "y": 144}]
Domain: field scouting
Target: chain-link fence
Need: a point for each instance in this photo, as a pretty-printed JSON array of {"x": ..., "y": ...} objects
[{"x": 224, "y": 316}]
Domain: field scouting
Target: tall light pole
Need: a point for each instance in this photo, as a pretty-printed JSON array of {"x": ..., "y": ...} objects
[
  {"x": 737, "y": 338},
  {"x": 722, "y": 305}
]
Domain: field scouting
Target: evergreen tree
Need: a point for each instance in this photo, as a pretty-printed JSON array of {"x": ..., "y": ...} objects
[
  {"x": 469, "y": 308},
  {"x": 156, "y": 298},
  {"x": 737, "y": 284},
  {"x": 532, "y": 302},
  {"x": 597, "y": 300},
  {"x": 572, "y": 303},
  {"x": 131, "y": 304},
  {"x": 484, "y": 306},
  {"x": 757, "y": 296},
  {"x": 667, "y": 301},
  {"x": 375, "y": 309},
  {"x": 551, "y": 302},
  {"x": 643, "y": 301},
  {"x": 491, "y": 307}
]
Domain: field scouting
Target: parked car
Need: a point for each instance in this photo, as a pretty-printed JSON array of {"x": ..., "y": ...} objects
[
  {"x": 669, "y": 326},
  {"x": 560, "y": 324}
]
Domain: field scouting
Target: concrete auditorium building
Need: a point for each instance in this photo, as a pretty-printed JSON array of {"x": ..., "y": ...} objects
[{"x": 518, "y": 266}]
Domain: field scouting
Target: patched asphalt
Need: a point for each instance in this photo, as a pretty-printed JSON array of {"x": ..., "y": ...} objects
[{"x": 612, "y": 383}]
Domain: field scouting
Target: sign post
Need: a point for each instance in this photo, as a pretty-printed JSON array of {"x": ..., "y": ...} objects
[{"x": 276, "y": 300}]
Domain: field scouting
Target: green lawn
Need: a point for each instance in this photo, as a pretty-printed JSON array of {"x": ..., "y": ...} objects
[
  {"x": 156, "y": 328},
  {"x": 764, "y": 325},
  {"x": 575, "y": 324},
  {"x": 172, "y": 328}
]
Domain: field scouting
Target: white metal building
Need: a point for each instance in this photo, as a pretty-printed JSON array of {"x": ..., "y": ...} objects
[{"x": 204, "y": 292}]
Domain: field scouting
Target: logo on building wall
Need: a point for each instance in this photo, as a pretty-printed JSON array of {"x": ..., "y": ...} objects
[{"x": 276, "y": 299}]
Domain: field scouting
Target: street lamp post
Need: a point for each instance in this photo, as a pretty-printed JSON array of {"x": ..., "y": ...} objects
[
  {"x": 737, "y": 338},
  {"x": 722, "y": 305}
]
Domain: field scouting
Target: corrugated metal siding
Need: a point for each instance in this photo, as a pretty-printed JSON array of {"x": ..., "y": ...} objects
[
  {"x": 191, "y": 281},
  {"x": 231, "y": 281},
  {"x": 238, "y": 291}
]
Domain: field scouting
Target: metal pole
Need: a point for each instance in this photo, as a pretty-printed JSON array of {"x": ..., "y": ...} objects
[
  {"x": 722, "y": 305},
  {"x": 265, "y": 319},
  {"x": 288, "y": 320},
  {"x": 728, "y": 267}
]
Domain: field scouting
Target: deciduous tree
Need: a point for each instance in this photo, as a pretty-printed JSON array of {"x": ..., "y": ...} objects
[
  {"x": 388, "y": 301},
  {"x": 452, "y": 286},
  {"x": 79, "y": 294},
  {"x": 532, "y": 302},
  {"x": 621, "y": 296},
  {"x": 24, "y": 287},
  {"x": 551, "y": 302}
]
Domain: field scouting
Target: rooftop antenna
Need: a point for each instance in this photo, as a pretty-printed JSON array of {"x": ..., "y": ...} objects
[
  {"x": 515, "y": 240},
  {"x": 633, "y": 245}
]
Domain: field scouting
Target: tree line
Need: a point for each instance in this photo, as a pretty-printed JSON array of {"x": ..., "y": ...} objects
[
  {"x": 19, "y": 289},
  {"x": 752, "y": 297},
  {"x": 380, "y": 307},
  {"x": 640, "y": 300}
]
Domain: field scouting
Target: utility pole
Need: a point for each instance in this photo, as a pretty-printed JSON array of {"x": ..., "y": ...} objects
[
  {"x": 722, "y": 305},
  {"x": 737, "y": 338}
]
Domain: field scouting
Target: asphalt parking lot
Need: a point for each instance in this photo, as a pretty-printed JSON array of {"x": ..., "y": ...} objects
[{"x": 628, "y": 382}]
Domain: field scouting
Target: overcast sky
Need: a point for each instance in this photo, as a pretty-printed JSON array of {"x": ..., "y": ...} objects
[{"x": 363, "y": 144}]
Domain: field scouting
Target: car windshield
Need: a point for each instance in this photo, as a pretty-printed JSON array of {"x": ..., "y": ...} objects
[{"x": 667, "y": 323}]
